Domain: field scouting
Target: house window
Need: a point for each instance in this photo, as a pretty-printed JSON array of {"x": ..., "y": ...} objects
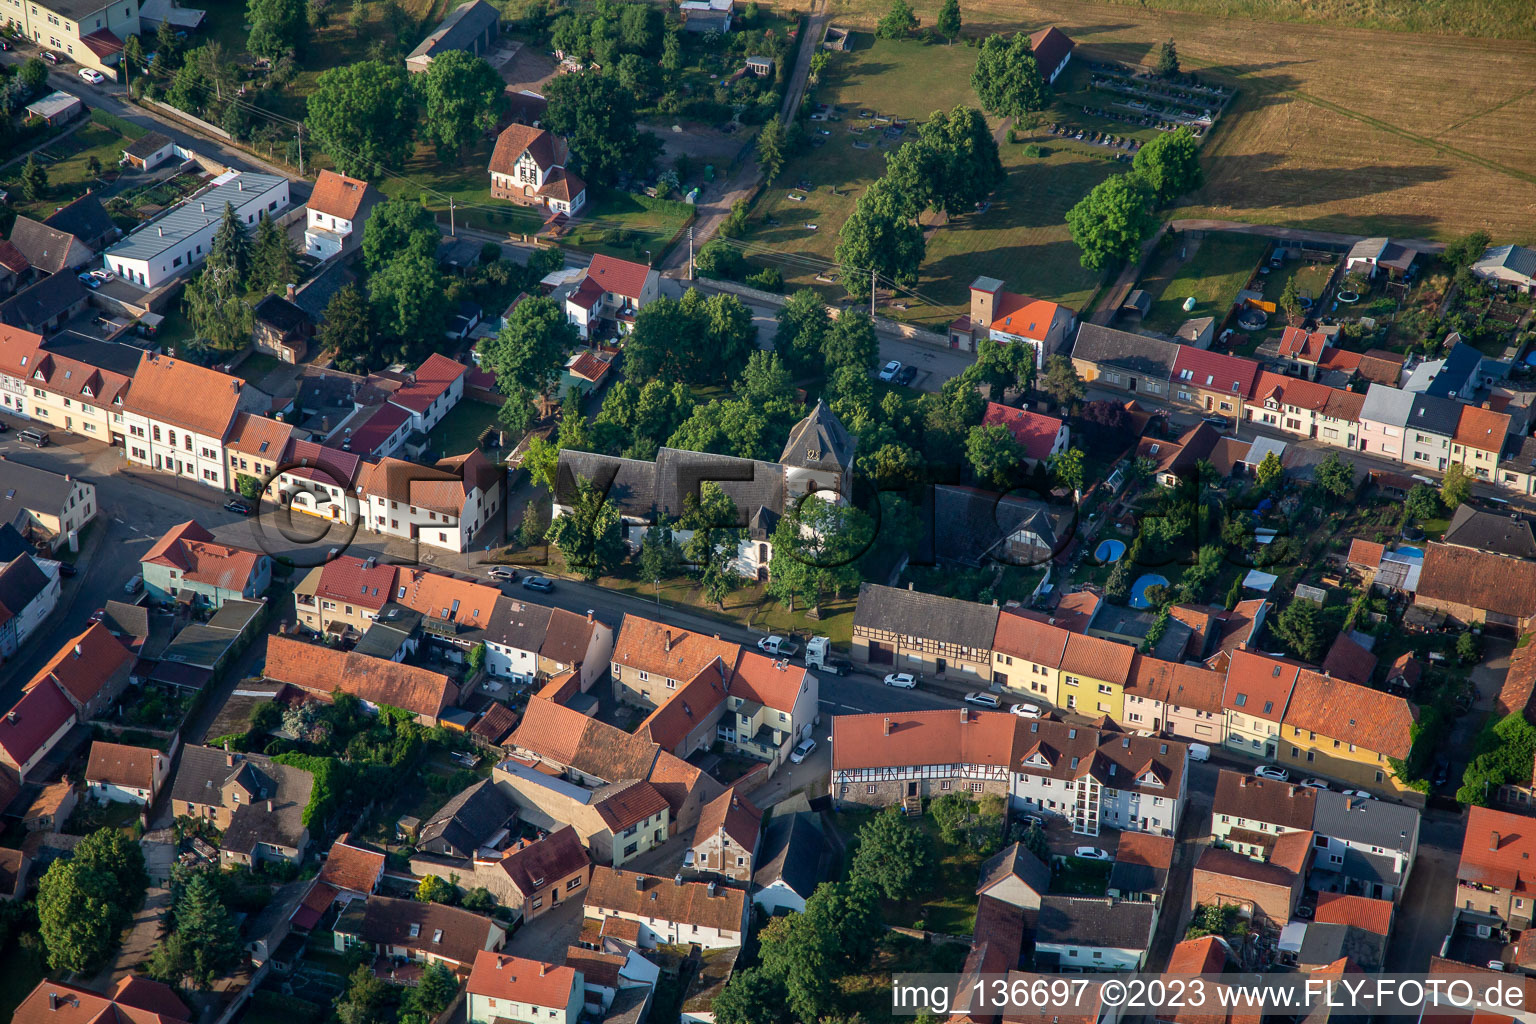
[{"x": 870, "y": 790}]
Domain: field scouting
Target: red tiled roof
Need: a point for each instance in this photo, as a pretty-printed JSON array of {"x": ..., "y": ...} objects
[
  {"x": 513, "y": 978},
  {"x": 337, "y": 195},
  {"x": 773, "y": 684},
  {"x": 1302, "y": 394},
  {"x": 1348, "y": 660},
  {"x": 1477, "y": 579},
  {"x": 433, "y": 378},
  {"x": 686, "y": 709},
  {"x": 323, "y": 670},
  {"x": 588, "y": 367},
  {"x": 352, "y": 868},
  {"x": 732, "y": 814},
  {"x": 1499, "y": 850},
  {"x": 103, "y": 43},
  {"x": 12, "y": 259},
  {"x": 134, "y": 1001},
  {"x": 1483, "y": 429},
  {"x": 1075, "y": 611},
  {"x": 117, "y": 764},
  {"x": 1023, "y": 637},
  {"x": 618, "y": 277},
  {"x": 1021, "y": 315},
  {"x": 1035, "y": 431},
  {"x": 259, "y": 436},
  {"x": 1365, "y": 552},
  {"x": 41, "y": 712},
  {"x": 669, "y": 651},
  {"x": 630, "y": 806},
  {"x": 1097, "y": 658},
  {"x": 352, "y": 580},
  {"x": 649, "y": 896},
  {"x": 434, "y": 594},
  {"x": 1519, "y": 685},
  {"x": 184, "y": 394},
  {"x": 313, "y": 461},
  {"x": 1204, "y": 955},
  {"x": 367, "y": 437},
  {"x": 547, "y": 150},
  {"x": 922, "y": 737},
  {"x": 84, "y": 664},
  {"x": 1360, "y": 911},
  {"x": 1214, "y": 371},
  {"x": 1051, "y": 46},
  {"x": 562, "y": 184},
  {"x": 1298, "y": 344},
  {"x": 1345, "y": 711},
  {"x": 531, "y": 866},
  {"x": 1259, "y": 685},
  {"x": 314, "y": 905},
  {"x": 190, "y": 549}
]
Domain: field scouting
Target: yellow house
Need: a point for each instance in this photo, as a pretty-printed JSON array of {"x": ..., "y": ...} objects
[
  {"x": 1254, "y": 701},
  {"x": 1093, "y": 676},
  {"x": 1479, "y": 439},
  {"x": 1026, "y": 656},
  {"x": 1351, "y": 733}
]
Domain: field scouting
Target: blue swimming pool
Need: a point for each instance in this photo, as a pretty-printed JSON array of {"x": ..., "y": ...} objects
[
  {"x": 1409, "y": 550},
  {"x": 1139, "y": 589},
  {"x": 1109, "y": 551}
]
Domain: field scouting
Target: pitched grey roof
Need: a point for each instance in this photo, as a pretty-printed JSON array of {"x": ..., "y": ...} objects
[
  {"x": 281, "y": 314},
  {"x": 32, "y": 307},
  {"x": 1328, "y": 943},
  {"x": 317, "y": 292},
  {"x": 20, "y": 582},
  {"x": 1383, "y": 404},
  {"x": 1434, "y": 415},
  {"x": 200, "y": 779},
  {"x": 147, "y": 146},
  {"x": 1513, "y": 257},
  {"x": 48, "y": 249},
  {"x": 913, "y": 613},
  {"x": 124, "y": 619},
  {"x": 1017, "y": 862},
  {"x": 794, "y": 851},
  {"x": 1362, "y": 820},
  {"x": 971, "y": 524},
  {"x": 31, "y": 488},
  {"x": 83, "y": 218},
  {"x": 468, "y": 819},
  {"x": 820, "y": 441},
  {"x": 104, "y": 355},
  {"x": 1133, "y": 353},
  {"x": 1504, "y": 533},
  {"x": 641, "y": 489},
  {"x": 518, "y": 624},
  {"x": 459, "y": 29},
  {"x": 193, "y": 214},
  {"x": 1094, "y": 921}
]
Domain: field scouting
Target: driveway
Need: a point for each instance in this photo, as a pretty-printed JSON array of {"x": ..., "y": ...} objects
[{"x": 547, "y": 936}]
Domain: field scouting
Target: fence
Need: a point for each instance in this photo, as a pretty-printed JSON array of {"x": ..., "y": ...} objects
[
  {"x": 176, "y": 114},
  {"x": 889, "y": 326}
]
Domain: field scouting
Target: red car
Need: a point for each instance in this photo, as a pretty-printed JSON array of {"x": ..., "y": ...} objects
[{"x": 98, "y": 614}]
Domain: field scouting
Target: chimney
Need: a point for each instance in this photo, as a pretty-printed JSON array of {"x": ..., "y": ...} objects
[
  {"x": 677, "y": 879},
  {"x": 909, "y": 584},
  {"x": 711, "y": 889},
  {"x": 887, "y": 726},
  {"x": 591, "y": 615},
  {"x": 1493, "y": 841},
  {"x": 965, "y": 715},
  {"x": 53, "y": 1000},
  {"x": 229, "y": 759},
  {"x": 79, "y": 650},
  {"x": 543, "y": 968},
  {"x": 667, "y": 643},
  {"x": 269, "y": 806},
  {"x": 639, "y": 883},
  {"x": 292, "y": 291}
]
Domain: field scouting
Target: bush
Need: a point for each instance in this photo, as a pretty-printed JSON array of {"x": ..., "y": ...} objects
[
  {"x": 768, "y": 279},
  {"x": 1035, "y": 151}
]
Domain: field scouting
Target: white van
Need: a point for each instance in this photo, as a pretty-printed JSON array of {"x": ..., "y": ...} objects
[{"x": 1199, "y": 752}]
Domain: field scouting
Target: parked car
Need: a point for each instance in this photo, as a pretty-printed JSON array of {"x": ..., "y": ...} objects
[
  {"x": 984, "y": 699},
  {"x": 777, "y": 645},
  {"x": 98, "y": 614},
  {"x": 1359, "y": 793},
  {"x": 1090, "y": 853},
  {"x": 1442, "y": 770},
  {"x": 1033, "y": 821},
  {"x": 4, "y": 45},
  {"x": 890, "y": 370},
  {"x": 52, "y": 58},
  {"x": 836, "y": 666},
  {"x": 543, "y": 584},
  {"x": 134, "y": 585},
  {"x": 1497, "y": 965},
  {"x": 803, "y": 751},
  {"x": 4, "y": 426},
  {"x": 1265, "y": 771},
  {"x": 901, "y": 679},
  {"x": 907, "y": 375},
  {"x": 1199, "y": 752},
  {"x": 501, "y": 572},
  {"x": 1025, "y": 710},
  {"x": 238, "y": 507},
  {"x": 37, "y": 438},
  {"x": 90, "y": 282},
  {"x": 92, "y": 76},
  {"x": 1314, "y": 783},
  {"x": 1219, "y": 422}
]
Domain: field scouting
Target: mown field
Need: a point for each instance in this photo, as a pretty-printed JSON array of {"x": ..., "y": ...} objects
[{"x": 1336, "y": 127}]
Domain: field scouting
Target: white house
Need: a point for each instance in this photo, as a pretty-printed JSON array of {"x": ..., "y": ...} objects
[
  {"x": 178, "y": 415},
  {"x": 179, "y": 239},
  {"x": 503, "y": 987},
  {"x": 1101, "y": 780},
  {"x": 611, "y": 289},
  {"x": 528, "y": 168},
  {"x": 1092, "y": 933},
  {"x": 335, "y": 213},
  {"x": 1003, "y": 316},
  {"x": 431, "y": 391},
  {"x": 123, "y": 774},
  {"x": 668, "y": 912},
  {"x": 1508, "y": 266},
  {"x": 442, "y": 506}
]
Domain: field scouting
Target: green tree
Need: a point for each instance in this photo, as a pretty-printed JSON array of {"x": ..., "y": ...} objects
[
  {"x": 948, "y": 23},
  {"x": 1335, "y": 476},
  {"x": 752, "y": 996},
  {"x": 277, "y": 27},
  {"x": 1067, "y": 469},
  {"x": 893, "y": 856},
  {"x": 1170, "y": 164},
  {"x": 273, "y": 262},
  {"x": 366, "y": 1000},
  {"x": 408, "y": 300},
  {"x": 250, "y": 487},
  {"x": 951, "y": 165},
  {"x": 1466, "y": 250},
  {"x": 1469, "y": 648},
  {"x": 1061, "y": 382},
  {"x": 1007, "y": 77},
  {"x": 231, "y": 246},
  {"x": 898, "y": 22},
  {"x": 1269, "y": 471},
  {"x": 1502, "y": 754},
  {"x": 432, "y": 889},
  {"x": 1422, "y": 502},
  {"x": 1455, "y": 486},
  {"x": 210, "y": 939},
  {"x": 530, "y": 350},
  {"x": 817, "y": 545},
  {"x": 396, "y": 227},
  {"x": 772, "y": 147},
  {"x": 133, "y": 56},
  {"x": 589, "y": 536},
  {"x": 1168, "y": 59},
  {"x": 695, "y": 339},
  {"x": 531, "y": 531},
  {"x": 167, "y": 48},
  {"x": 803, "y": 327},
  {"x": 719, "y": 259},
  {"x": 475, "y": 658},
  {"x": 346, "y": 329},
  {"x": 77, "y": 919},
  {"x": 882, "y": 235},
  {"x": 1035, "y": 842},
  {"x": 424, "y": 1002},
  {"x": 1110, "y": 223},
  {"x": 461, "y": 93},
  {"x": 33, "y": 75},
  {"x": 660, "y": 557},
  {"x": 1300, "y": 627},
  {"x": 219, "y": 317},
  {"x": 542, "y": 461},
  {"x": 995, "y": 456},
  {"x": 362, "y": 115},
  {"x": 596, "y": 116},
  {"x": 851, "y": 341},
  {"x": 34, "y": 179},
  {"x": 1003, "y": 365}
]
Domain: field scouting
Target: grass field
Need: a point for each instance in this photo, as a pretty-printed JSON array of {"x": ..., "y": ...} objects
[
  {"x": 1212, "y": 275},
  {"x": 1417, "y": 146},
  {"x": 66, "y": 161},
  {"x": 1022, "y": 238}
]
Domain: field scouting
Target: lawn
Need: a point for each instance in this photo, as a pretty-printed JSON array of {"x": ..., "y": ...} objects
[
  {"x": 460, "y": 430},
  {"x": 67, "y": 162},
  {"x": 1426, "y": 152},
  {"x": 1212, "y": 274},
  {"x": 1022, "y": 238}
]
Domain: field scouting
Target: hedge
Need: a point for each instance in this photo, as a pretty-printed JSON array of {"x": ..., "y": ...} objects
[{"x": 127, "y": 129}]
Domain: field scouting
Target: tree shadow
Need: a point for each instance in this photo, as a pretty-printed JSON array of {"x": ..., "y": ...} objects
[{"x": 1262, "y": 176}]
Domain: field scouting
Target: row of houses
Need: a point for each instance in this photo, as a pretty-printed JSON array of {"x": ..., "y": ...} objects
[
  {"x": 1425, "y": 418},
  {"x": 1262, "y": 705}
]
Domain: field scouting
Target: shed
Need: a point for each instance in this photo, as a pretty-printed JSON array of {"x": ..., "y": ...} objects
[
  {"x": 56, "y": 108},
  {"x": 761, "y": 66},
  {"x": 149, "y": 152},
  {"x": 1137, "y": 304}
]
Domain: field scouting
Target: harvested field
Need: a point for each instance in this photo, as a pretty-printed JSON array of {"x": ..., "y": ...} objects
[{"x": 1432, "y": 141}]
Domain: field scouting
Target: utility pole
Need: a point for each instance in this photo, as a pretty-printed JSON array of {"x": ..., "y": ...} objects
[
  {"x": 452, "y": 230},
  {"x": 871, "y": 293},
  {"x": 301, "y": 149},
  {"x": 690, "y": 257}
]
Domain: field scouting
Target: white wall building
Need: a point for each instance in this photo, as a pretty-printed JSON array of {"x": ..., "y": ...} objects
[{"x": 180, "y": 239}]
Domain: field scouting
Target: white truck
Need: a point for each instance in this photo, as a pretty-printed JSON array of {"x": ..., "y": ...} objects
[
  {"x": 819, "y": 654},
  {"x": 778, "y": 646}
]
